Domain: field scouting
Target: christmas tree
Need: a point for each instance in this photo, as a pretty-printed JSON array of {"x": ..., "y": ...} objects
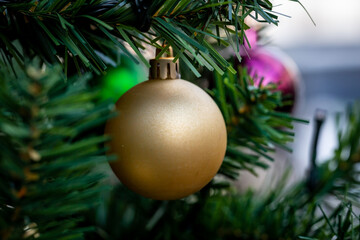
[{"x": 54, "y": 161}]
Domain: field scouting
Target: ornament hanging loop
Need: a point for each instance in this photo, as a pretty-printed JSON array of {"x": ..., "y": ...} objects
[{"x": 164, "y": 67}]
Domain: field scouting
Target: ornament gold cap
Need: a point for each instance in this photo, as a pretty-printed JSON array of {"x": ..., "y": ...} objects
[{"x": 164, "y": 67}]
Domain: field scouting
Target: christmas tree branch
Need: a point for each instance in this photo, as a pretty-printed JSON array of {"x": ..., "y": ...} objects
[
  {"x": 255, "y": 126},
  {"x": 75, "y": 32},
  {"x": 46, "y": 179}
]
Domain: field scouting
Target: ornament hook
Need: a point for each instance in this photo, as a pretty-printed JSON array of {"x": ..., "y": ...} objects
[{"x": 164, "y": 67}]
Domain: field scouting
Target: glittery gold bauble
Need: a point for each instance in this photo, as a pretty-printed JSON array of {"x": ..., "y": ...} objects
[{"x": 170, "y": 139}]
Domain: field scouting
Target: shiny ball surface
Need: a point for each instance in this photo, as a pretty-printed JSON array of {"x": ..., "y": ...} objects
[{"x": 170, "y": 139}]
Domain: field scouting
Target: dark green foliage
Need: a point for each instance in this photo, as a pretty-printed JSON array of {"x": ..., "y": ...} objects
[
  {"x": 88, "y": 35},
  {"x": 46, "y": 180}
]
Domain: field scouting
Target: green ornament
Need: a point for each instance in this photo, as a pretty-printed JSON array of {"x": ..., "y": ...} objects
[{"x": 119, "y": 80}]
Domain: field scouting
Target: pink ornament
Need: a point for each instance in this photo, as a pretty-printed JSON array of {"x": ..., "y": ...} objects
[{"x": 275, "y": 67}]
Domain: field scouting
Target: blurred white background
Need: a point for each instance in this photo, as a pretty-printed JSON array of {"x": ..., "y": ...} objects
[
  {"x": 336, "y": 23},
  {"x": 328, "y": 58}
]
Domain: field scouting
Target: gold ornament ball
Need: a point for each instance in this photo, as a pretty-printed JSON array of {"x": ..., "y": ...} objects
[{"x": 170, "y": 139}]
